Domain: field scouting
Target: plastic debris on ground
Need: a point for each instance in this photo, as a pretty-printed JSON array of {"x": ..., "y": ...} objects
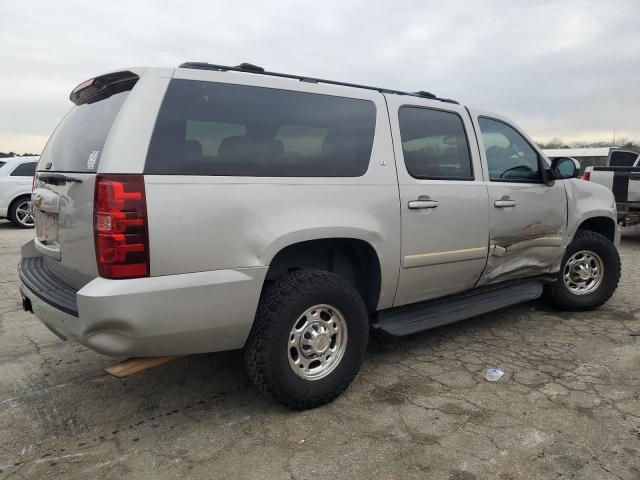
[{"x": 493, "y": 375}]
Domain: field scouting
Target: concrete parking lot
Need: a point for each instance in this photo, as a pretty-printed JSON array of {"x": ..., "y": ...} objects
[{"x": 566, "y": 408}]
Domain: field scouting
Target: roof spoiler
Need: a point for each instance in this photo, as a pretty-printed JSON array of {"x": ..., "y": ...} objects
[{"x": 102, "y": 87}]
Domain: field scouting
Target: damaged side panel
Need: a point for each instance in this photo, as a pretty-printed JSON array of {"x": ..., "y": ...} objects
[{"x": 529, "y": 238}]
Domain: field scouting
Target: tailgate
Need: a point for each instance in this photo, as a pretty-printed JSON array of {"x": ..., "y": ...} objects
[
  {"x": 64, "y": 186},
  {"x": 624, "y": 182},
  {"x": 63, "y": 212}
]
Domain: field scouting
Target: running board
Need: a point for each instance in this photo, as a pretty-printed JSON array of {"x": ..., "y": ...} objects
[{"x": 416, "y": 317}]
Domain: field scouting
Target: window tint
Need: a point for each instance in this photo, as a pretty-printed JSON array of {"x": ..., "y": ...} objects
[
  {"x": 510, "y": 158},
  {"x": 24, "y": 170},
  {"x": 209, "y": 135},
  {"x": 207, "y": 128},
  {"x": 434, "y": 144},
  {"x": 623, "y": 159},
  {"x": 77, "y": 143}
]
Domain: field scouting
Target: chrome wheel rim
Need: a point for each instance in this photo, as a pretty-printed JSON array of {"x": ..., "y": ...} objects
[
  {"x": 24, "y": 213},
  {"x": 317, "y": 342},
  {"x": 583, "y": 272}
]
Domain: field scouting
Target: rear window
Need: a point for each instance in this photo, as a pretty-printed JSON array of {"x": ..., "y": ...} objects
[
  {"x": 206, "y": 128},
  {"x": 623, "y": 159},
  {"x": 2, "y": 164},
  {"x": 77, "y": 143},
  {"x": 24, "y": 170}
]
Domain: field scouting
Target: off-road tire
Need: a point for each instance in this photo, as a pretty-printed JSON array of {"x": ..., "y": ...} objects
[
  {"x": 266, "y": 350},
  {"x": 562, "y": 298}
]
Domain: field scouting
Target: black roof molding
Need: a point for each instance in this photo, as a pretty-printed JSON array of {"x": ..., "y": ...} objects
[{"x": 250, "y": 68}]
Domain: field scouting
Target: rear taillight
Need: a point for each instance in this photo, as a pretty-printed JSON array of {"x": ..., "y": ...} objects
[
  {"x": 120, "y": 226},
  {"x": 586, "y": 176}
]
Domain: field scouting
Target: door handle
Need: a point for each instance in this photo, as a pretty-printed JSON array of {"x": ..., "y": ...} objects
[
  {"x": 504, "y": 202},
  {"x": 423, "y": 201},
  {"x": 634, "y": 176}
]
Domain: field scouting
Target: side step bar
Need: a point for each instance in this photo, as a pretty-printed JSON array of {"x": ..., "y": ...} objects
[{"x": 416, "y": 317}]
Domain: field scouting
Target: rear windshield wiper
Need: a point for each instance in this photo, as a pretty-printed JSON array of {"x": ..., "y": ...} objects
[{"x": 55, "y": 178}]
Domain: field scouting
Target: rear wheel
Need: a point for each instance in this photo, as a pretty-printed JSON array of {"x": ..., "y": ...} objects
[
  {"x": 21, "y": 213},
  {"x": 308, "y": 339},
  {"x": 589, "y": 274}
]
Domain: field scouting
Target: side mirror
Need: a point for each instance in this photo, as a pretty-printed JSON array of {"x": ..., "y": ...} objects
[{"x": 564, "y": 167}]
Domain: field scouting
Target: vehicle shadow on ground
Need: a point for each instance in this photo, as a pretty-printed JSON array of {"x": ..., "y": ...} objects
[
  {"x": 219, "y": 380},
  {"x": 8, "y": 225},
  {"x": 631, "y": 235}
]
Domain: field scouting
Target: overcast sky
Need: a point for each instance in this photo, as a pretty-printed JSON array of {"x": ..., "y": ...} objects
[{"x": 558, "y": 68}]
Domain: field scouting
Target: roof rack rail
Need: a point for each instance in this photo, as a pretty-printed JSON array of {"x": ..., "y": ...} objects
[{"x": 250, "y": 68}]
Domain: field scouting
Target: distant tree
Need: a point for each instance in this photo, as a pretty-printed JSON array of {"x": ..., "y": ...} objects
[
  {"x": 13, "y": 154},
  {"x": 556, "y": 142}
]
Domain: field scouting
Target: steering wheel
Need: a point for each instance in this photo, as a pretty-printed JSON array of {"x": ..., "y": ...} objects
[{"x": 518, "y": 168}]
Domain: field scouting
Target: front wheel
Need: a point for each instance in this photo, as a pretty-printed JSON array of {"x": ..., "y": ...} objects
[
  {"x": 308, "y": 340},
  {"x": 589, "y": 274}
]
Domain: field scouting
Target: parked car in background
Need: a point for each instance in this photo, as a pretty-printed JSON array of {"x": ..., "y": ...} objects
[
  {"x": 16, "y": 181},
  {"x": 207, "y": 208},
  {"x": 621, "y": 175}
]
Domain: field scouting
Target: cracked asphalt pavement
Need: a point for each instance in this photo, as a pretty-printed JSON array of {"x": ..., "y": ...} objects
[{"x": 566, "y": 407}]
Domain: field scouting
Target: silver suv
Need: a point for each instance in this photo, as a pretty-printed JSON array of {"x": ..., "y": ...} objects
[{"x": 209, "y": 208}]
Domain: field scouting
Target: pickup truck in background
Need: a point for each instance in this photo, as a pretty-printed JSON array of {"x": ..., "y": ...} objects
[{"x": 621, "y": 175}]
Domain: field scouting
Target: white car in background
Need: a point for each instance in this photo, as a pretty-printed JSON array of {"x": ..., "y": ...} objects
[{"x": 16, "y": 181}]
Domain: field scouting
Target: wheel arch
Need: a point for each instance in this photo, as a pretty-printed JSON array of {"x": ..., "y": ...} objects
[
  {"x": 600, "y": 224},
  {"x": 352, "y": 258}
]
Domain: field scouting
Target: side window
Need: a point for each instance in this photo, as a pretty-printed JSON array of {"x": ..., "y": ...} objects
[
  {"x": 24, "y": 170},
  {"x": 204, "y": 138},
  {"x": 208, "y": 128},
  {"x": 434, "y": 144},
  {"x": 301, "y": 140},
  {"x": 510, "y": 158},
  {"x": 622, "y": 159}
]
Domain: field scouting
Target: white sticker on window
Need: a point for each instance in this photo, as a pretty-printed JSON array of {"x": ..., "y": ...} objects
[{"x": 93, "y": 158}]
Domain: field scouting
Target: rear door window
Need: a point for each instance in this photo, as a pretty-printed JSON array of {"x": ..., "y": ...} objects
[
  {"x": 434, "y": 144},
  {"x": 24, "y": 170},
  {"x": 207, "y": 128},
  {"x": 77, "y": 143}
]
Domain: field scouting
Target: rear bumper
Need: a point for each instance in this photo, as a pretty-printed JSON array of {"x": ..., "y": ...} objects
[{"x": 168, "y": 315}]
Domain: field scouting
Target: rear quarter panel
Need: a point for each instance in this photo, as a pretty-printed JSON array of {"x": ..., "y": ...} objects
[{"x": 203, "y": 223}]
